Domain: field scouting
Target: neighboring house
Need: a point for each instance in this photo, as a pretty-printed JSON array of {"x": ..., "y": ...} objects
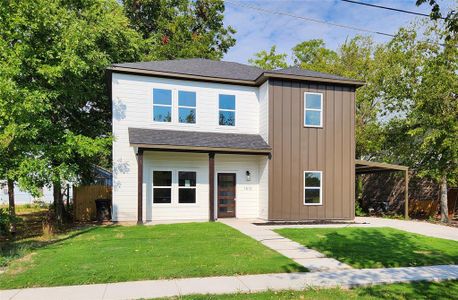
[{"x": 198, "y": 139}]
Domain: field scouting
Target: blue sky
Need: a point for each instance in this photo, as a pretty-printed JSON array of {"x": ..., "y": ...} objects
[{"x": 258, "y": 31}]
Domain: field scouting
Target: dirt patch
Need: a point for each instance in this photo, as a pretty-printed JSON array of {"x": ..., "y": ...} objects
[{"x": 25, "y": 263}]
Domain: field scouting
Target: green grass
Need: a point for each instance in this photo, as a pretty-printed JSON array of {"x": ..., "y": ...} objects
[
  {"x": 376, "y": 247},
  {"x": 116, "y": 253},
  {"x": 419, "y": 290}
]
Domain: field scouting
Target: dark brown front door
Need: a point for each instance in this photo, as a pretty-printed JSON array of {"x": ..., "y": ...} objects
[{"x": 226, "y": 195}]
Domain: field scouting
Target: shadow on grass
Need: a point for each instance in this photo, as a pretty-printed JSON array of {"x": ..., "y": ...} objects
[
  {"x": 16, "y": 249},
  {"x": 416, "y": 290},
  {"x": 377, "y": 248}
]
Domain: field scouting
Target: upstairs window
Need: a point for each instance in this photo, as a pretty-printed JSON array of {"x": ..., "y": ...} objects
[
  {"x": 313, "y": 109},
  {"x": 227, "y": 110},
  {"x": 162, "y": 105},
  {"x": 313, "y": 188},
  {"x": 162, "y": 186},
  {"x": 186, "y": 187},
  {"x": 187, "y": 107}
]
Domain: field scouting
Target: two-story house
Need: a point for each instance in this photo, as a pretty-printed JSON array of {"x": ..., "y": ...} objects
[{"x": 197, "y": 139}]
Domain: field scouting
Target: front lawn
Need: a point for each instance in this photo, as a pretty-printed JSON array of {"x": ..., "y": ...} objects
[
  {"x": 376, "y": 247},
  {"x": 116, "y": 253},
  {"x": 418, "y": 291}
]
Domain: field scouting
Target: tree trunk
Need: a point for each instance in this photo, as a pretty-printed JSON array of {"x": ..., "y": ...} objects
[
  {"x": 58, "y": 202},
  {"x": 11, "y": 207},
  {"x": 444, "y": 200}
]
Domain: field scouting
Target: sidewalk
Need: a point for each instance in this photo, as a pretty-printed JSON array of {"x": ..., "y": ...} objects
[
  {"x": 311, "y": 259},
  {"x": 234, "y": 284}
]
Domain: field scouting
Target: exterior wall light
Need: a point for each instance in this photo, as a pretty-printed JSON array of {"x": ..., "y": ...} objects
[{"x": 248, "y": 176}]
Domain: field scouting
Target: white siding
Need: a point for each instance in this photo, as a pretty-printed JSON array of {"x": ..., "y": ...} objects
[
  {"x": 263, "y": 187},
  {"x": 132, "y": 107},
  {"x": 133, "y": 104},
  {"x": 247, "y": 192},
  {"x": 264, "y": 111},
  {"x": 164, "y": 161}
]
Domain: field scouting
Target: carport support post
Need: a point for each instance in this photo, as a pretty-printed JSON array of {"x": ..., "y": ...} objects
[
  {"x": 406, "y": 204},
  {"x": 211, "y": 184},
  {"x": 140, "y": 186}
]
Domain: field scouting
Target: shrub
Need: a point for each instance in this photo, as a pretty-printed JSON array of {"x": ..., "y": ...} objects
[
  {"x": 4, "y": 222},
  {"x": 358, "y": 210}
]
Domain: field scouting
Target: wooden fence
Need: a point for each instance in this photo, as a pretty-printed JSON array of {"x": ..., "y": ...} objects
[{"x": 84, "y": 200}]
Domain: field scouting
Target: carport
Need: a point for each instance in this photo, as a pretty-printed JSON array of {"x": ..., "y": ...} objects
[{"x": 370, "y": 167}]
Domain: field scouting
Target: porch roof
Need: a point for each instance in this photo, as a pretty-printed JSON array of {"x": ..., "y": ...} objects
[{"x": 197, "y": 141}]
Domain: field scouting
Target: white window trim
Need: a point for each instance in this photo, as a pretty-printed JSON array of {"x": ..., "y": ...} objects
[
  {"x": 174, "y": 106},
  {"x": 313, "y": 109},
  {"x": 163, "y": 105},
  {"x": 225, "y": 109},
  {"x": 313, "y": 188},
  {"x": 175, "y": 187},
  {"x": 185, "y": 187},
  {"x": 185, "y": 106},
  {"x": 162, "y": 187}
]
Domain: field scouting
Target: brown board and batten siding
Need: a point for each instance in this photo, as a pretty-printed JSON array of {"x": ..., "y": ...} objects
[{"x": 296, "y": 149}]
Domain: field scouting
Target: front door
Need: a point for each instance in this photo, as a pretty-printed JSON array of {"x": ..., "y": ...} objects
[{"x": 226, "y": 195}]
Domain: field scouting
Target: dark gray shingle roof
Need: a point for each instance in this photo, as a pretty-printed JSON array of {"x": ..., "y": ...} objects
[
  {"x": 225, "y": 70},
  {"x": 143, "y": 136},
  {"x": 295, "y": 70},
  {"x": 199, "y": 67}
]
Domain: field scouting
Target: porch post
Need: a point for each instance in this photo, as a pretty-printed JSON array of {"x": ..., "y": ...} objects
[
  {"x": 211, "y": 184},
  {"x": 140, "y": 186},
  {"x": 406, "y": 212}
]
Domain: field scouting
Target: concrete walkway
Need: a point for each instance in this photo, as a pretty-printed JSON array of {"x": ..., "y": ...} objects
[
  {"x": 234, "y": 284},
  {"x": 311, "y": 259}
]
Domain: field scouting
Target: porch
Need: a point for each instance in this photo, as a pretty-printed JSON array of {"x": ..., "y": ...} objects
[{"x": 220, "y": 168}]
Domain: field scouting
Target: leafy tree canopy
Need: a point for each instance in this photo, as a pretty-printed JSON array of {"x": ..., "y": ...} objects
[
  {"x": 421, "y": 84},
  {"x": 269, "y": 60},
  {"x": 181, "y": 28},
  {"x": 53, "y": 102}
]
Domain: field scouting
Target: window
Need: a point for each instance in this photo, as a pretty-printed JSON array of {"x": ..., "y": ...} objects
[
  {"x": 227, "y": 110},
  {"x": 162, "y": 105},
  {"x": 186, "y": 107},
  {"x": 186, "y": 187},
  {"x": 312, "y": 188},
  {"x": 313, "y": 109},
  {"x": 162, "y": 186}
]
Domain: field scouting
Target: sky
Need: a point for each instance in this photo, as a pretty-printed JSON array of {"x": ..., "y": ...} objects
[{"x": 258, "y": 31}]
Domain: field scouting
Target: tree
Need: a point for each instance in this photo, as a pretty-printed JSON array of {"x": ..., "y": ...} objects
[
  {"x": 269, "y": 60},
  {"x": 57, "y": 52},
  {"x": 181, "y": 28},
  {"x": 451, "y": 18},
  {"x": 313, "y": 55},
  {"x": 421, "y": 83}
]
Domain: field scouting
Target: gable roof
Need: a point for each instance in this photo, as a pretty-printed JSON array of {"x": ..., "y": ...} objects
[
  {"x": 204, "y": 141},
  {"x": 224, "y": 71},
  {"x": 199, "y": 67}
]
